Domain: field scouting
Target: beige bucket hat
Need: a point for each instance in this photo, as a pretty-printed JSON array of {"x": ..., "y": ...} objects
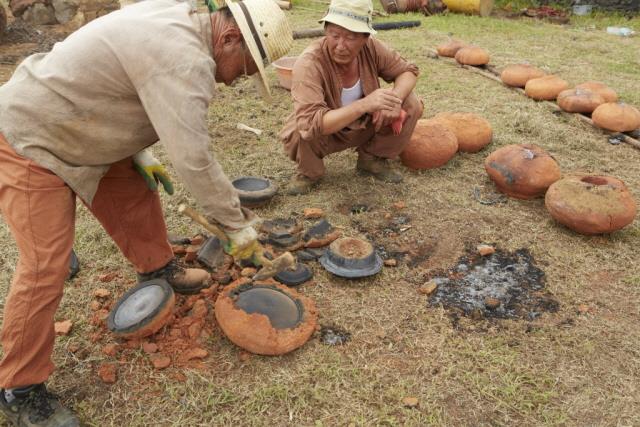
[
  {"x": 354, "y": 15},
  {"x": 266, "y": 33}
]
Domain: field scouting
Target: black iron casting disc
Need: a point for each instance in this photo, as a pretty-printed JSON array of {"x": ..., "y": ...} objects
[
  {"x": 139, "y": 306},
  {"x": 294, "y": 277},
  {"x": 351, "y": 267},
  {"x": 282, "y": 310},
  {"x": 254, "y": 191}
]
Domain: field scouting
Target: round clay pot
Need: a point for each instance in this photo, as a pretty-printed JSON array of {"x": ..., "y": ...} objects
[
  {"x": 472, "y": 55},
  {"x": 269, "y": 319},
  {"x": 518, "y": 75},
  {"x": 579, "y": 100},
  {"x": 616, "y": 116},
  {"x": 545, "y": 88},
  {"x": 522, "y": 171},
  {"x": 351, "y": 258},
  {"x": 601, "y": 89},
  {"x": 254, "y": 191},
  {"x": 142, "y": 310},
  {"x": 472, "y": 131},
  {"x": 432, "y": 145},
  {"x": 591, "y": 204},
  {"x": 450, "y": 48}
]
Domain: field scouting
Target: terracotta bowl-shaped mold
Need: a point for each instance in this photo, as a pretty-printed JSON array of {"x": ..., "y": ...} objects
[
  {"x": 518, "y": 75},
  {"x": 295, "y": 276},
  {"x": 472, "y": 131},
  {"x": 351, "y": 258},
  {"x": 617, "y": 117},
  {"x": 601, "y": 89},
  {"x": 284, "y": 69},
  {"x": 432, "y": 145},
  {"x": 142, "y": 310},
  {"x": 267, "y": 319},
  {"x": 591, "y": 204},
  {"x": 450, "y": 48},
  {"x": 579, "y": 100},
  {"x": 522, "y": 171},
  {"x": 472, "y": 55},
  {"x": 546, "y": 88},
  {"x": 254, "y": 191}
]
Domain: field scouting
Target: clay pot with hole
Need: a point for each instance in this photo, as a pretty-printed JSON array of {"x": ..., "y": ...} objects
[
  {"x": 268, "y": 319},
  {"x": 472, "y": 131},
  {"x": 591, "y": 204},
  {"x": 579, "y": 100},
  {"x": 601, "y": 89},
  {"x": 432, "y": 145},
  {"x": 472, "y": 55},
  {"x": 518, "y": 75},
  {"x": 522, "y": 171},
  {"x": 617, "y": 117},
  {"x": 450, "y": 48},
  {"x": 546, "y": 88},
  {"x": 254, "y": 191}
]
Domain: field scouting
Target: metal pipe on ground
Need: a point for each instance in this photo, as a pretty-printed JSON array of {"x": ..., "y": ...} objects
[
  {"x": 493, "y": 74},
  {"x": 382, "y": 26}
]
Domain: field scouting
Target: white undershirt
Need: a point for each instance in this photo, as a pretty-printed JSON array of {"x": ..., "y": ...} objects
[{"x": 352, "y": 94}]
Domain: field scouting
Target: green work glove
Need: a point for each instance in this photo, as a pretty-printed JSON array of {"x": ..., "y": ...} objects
[
  {"x": 152, "y": 171},
  {"x": 243, "y": 244}
]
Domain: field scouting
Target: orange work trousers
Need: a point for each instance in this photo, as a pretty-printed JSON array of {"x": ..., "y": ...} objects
[{"x": 39, "y": 209}]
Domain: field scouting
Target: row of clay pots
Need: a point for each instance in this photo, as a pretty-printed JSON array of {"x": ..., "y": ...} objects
[
  {"x": 435, "y": 141},
  {"x": 591, "y": 97},
  {"x": 463, "y": 53},
  {"x": 586, "y": 204}
]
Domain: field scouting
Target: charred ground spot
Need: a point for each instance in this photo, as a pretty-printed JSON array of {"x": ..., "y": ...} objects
[
  {"x": 505, "y": 285},
  {"x": 334, "y": 335}
]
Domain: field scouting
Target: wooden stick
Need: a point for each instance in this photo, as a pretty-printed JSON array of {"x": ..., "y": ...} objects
[{"x": 492, "y": 73}]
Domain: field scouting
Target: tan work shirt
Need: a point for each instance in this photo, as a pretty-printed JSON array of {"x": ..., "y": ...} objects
[
  {"x": 116, "y": 86},
  {"x": 316, "y": 86}
]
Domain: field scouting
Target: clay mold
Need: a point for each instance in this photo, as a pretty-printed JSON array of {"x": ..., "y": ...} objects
[
  {"x": 351, "y": 258},
  {"x": 295, "y": 276},
  {"x": 267, "y": 319},
  {"x": 320, "y": 234},
  {"x": 142, "y": 310},
  {"x": 254, "y": 191}
]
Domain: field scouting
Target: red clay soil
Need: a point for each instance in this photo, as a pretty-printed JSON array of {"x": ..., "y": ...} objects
[
  {"x": 522, "y": 171},
  {"x": 591, "y": 204},
  {"x": 254, "y": 332}
]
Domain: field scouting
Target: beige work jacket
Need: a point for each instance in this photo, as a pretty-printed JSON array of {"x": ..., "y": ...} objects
[{"x": 116, "y": 86}]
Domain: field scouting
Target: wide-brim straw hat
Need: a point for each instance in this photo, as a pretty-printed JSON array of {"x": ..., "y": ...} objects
[
  {"x": 354, "y": 15},
  {"x": 266, "y": 33}
]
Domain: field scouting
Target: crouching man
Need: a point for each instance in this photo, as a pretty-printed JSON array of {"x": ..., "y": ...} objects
[{"x": 338, "y": 102}]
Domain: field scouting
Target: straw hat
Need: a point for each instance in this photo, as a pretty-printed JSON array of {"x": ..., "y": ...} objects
[
  {"x": 266, "y": 33},
  {"x": 354, "y": 15}
]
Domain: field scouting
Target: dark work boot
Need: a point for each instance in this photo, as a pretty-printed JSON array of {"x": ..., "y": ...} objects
[
  {"x": 35, "y": 406},
  {"x": 378, "y": 167},
  {"x": 183, "y": 280}
]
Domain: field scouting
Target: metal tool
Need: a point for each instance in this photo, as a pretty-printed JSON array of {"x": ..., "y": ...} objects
[{"x": 269, "y": 267}]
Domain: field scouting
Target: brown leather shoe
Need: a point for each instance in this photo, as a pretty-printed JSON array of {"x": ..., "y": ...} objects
[
  {"x": 185, "y": 281},
  {"x": 300, "y": 184},
  {"x": 377, "y": 167}
]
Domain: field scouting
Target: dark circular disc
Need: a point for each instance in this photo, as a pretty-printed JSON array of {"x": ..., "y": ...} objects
[
  {"x": 351, "y": 258},
  {"x": 282, "y": 310},
  {"x": 139, "y": 306},
  {"x": 294, "y": 277}
]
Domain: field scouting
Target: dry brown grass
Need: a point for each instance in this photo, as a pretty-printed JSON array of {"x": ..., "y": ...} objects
[{"x": 562, "y": 369}]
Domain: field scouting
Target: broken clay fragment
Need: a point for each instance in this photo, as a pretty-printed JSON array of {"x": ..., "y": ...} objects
[
  {"x": 160, "y": 361},
  {"x": 102, "y": 293},
  {"x": 108, "y": 373},
  {"x": 410, "y": 402},
  {"x": 110, "y": 349},
  {"x": 63, "y": 328},
  {"x": 428, "y": 288},
  {"x": 491, "y": 303},
  {"x": 485, "y": 250},
  {"x": 313, "y": 213}
]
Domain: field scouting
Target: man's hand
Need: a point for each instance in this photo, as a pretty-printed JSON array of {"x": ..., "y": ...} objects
[
  {"x": 242, "y": 244},
  {"x": 382, "y": 100},
  {"x": 382, "y": 118},
  {"x": 152, "y": 171}
]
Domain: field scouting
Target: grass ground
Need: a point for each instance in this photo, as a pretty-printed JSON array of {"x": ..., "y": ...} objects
[{"x": 564, "y": 368}]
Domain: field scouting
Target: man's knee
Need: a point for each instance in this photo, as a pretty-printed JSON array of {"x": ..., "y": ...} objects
[{"x": 413, "y": 105}]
